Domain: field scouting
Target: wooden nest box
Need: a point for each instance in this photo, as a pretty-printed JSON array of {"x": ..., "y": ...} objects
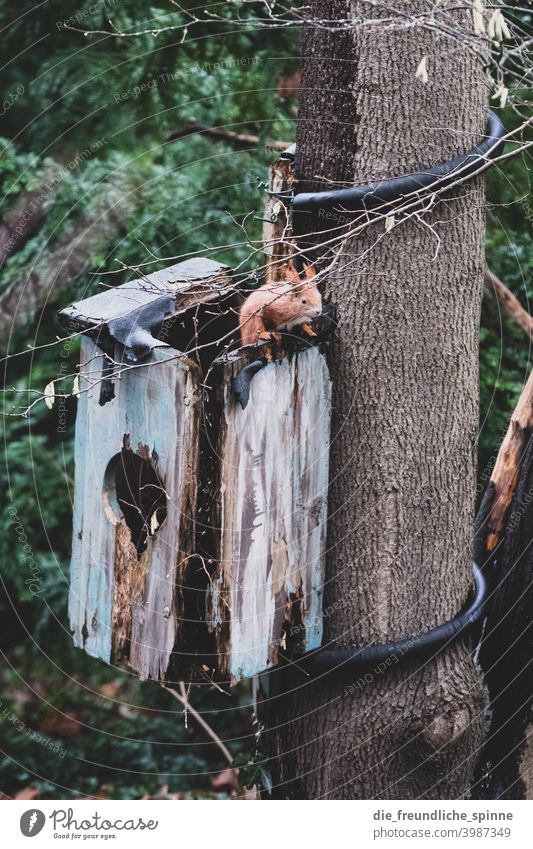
[{"x": 199, "y": 525}]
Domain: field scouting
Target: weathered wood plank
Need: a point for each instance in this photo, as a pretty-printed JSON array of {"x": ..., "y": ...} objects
[
  {"x": 504, "y": 547},
  {"x": 276, "y": 225},
  {"x": 506, "y": 472},
  {"x": 125, "y": 604},
  {"x": 273, "y": 504},
  {"x": 189, "y": 283}
]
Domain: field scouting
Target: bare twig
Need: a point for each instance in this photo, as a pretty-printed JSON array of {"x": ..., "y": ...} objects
[
  {"x": 183, "y": 699},
  {"x": 241, "y": 141},
  {"x": 509, "y": 302}
]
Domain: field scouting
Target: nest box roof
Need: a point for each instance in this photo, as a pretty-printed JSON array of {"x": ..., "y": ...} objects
[{"x": 132, "y": 313}]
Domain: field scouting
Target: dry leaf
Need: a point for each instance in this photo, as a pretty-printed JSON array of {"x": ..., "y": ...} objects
[
  {"x": 491, "y": 29},
  {"x": 110, "y": 689},
  {"x": 477, "y": 15},
  {"x": 27, "y": 793},
  {"x": 502, "y": 93},
  {"x": 226, "y": 780},
  {"x": 49, "y": 394},
  {"x": 390, "y": 221},
  {"x": 506, "y": 32},
  {"x": 60, "y": 725},
  {"x": 422, "y": 71},
  {"x": 498, "y": 29}
]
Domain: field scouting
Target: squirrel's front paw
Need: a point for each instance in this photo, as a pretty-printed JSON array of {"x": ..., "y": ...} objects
[
  {"x": 270, "y": 336},
  {"x": 307, "y": 329}
]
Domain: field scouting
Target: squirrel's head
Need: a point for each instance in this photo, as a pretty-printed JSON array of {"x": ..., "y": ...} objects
[
  {"x": 293, "y": 304},
  {"x": 308, "y": 299}
]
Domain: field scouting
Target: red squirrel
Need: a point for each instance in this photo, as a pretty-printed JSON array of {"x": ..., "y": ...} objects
[{"x": 280, "y": 306}]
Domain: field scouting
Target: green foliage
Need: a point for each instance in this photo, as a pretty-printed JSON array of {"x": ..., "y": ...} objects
[
  {"x": 506, "y": 356},
  {"x": 17, "y": 173},
  {"x": 75, "y": 86},
  {"x": 253, "y": 772},
  {"x": 99, "y": 733},
  {"x": 80, "y": 129},
  {"x": 89, "y": 114}
]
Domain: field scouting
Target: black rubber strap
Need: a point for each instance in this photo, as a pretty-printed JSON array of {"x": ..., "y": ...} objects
[
  {"x": 348, "y": 658},
  {"x": 386, "y": 192},
  {"x": 241, "y": 384}
]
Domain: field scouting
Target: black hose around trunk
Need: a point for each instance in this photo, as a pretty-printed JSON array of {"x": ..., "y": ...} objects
[
  {"x": 435, "y": 177},
  {"x": 349, "y": 658}
]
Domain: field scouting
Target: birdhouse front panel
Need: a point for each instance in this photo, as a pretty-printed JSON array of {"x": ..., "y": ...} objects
[
  {"x": 135, "y": 496},
  {"x": 200, "y": 482},
  {"x": 267, "y": 590}
]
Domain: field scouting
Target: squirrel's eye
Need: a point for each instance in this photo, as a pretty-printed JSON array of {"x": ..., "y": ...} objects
[{"x": 304, "y": 300}]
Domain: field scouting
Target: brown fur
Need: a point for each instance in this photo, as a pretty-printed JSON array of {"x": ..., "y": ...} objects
[{"x": 280, "y": 306}]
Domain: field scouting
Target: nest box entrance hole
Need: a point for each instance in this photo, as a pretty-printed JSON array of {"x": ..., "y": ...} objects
[{"x": 134, "y": 491}]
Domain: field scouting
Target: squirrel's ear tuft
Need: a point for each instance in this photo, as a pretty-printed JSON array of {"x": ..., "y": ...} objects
[
  {"x": 309, "y": 271},
  {"x": 308, "y": 274},
  {"x": 301, "y": 278},
  {"x": 291, "y": 272}
]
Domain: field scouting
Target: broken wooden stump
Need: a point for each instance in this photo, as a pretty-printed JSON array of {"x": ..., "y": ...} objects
[{"x": 504, "y": 546}]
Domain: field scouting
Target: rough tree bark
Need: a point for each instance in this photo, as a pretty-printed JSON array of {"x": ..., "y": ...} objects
[{"x": 405, "y": 418}]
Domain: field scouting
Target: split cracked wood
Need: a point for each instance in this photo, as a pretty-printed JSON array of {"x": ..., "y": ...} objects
[
  {"x": 267, "y": 590},
  {"x": 125, "y": 603},
  {"x": 506, "y": 472},
  {"x": 277, "y": 242},
  {"x": 504, "y": 546}
]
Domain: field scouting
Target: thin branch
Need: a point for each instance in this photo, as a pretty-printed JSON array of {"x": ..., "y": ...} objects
[
  {"x": 241, "y": 141},
  {"x": 184, "y": 700},
  {"x": 509, "y": 302}
]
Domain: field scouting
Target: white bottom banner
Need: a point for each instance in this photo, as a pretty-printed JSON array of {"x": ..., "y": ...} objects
[{"x": 267, "y": 824}]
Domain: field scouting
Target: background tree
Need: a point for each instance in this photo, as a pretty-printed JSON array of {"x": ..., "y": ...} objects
[{"x": 405, "y": 413}]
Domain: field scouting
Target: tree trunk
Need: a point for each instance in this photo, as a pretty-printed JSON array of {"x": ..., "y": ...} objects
[
  {"x": 48, "y": 276},
  {"x": 22, "y": 221},
  {"x": 404, "y": 367}
]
